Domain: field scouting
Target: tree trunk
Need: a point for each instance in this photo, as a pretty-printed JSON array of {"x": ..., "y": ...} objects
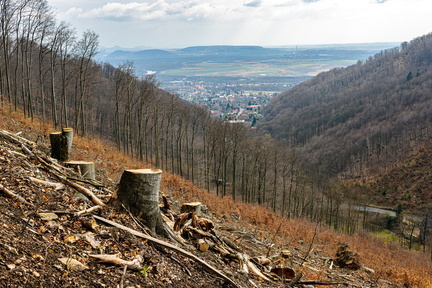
[{"x": 139, "y": 192}]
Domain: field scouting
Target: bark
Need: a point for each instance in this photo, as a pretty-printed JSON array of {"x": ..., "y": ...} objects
[
  {"x": 139, "y": 193},
  {"x": 59, "y": 146}
]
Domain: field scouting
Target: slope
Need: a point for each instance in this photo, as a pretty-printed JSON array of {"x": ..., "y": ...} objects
[
  {"x": 364, "y": 117},
  {"x": 31, "y": 246}
]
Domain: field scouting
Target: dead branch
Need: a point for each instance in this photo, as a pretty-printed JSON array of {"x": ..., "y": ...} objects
[
  {"x": 254, "y": 269},
  {"x": 80, "y": 189},
  {"x": 16, "y": 139},
  {"x": 169, "y": 246},
  {"x": 14, "y": 195},
  {"x": 89, "y": 210},
  {"x": 57, "y": 186},
  {"x": 134, "y": 265}
]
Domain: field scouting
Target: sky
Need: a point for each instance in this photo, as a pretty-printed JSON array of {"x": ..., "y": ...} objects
[{"x": 183, "y": 23}]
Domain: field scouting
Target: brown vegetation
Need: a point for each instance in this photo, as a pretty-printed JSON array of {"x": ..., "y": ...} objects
[{"x": 389, "y": 261}]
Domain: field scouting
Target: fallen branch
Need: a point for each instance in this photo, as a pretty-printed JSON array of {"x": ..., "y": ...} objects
[
  {"x": 89, "y": 210},
  {"x": 14, "y": 195},
  {"x": 134, "y": 265},
  {"x": 254, "y": 269},
  {"x": 169, "y": 246},
  {"x": 16, "y": 139},
  {"x": 57, "y": 186},
  {"x": 80, "y": 189}
]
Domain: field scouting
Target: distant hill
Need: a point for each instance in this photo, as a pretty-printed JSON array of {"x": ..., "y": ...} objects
[
  {"x": 362, "y": 117},
  {"x": 328, "y": 56}
]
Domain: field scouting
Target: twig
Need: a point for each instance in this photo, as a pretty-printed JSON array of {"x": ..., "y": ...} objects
[
  {"x": 169, "y": 246},
  {"x": 122, "y": 278},
  {"x": 89, "y": 210},
  {"x": 135, "y": 220},
  {"x": 273, "y": 239},
  {"x": 181, "y": 264}
]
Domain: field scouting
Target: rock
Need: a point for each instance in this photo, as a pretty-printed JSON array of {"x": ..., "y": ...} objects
[
  {"x": 202, "y": 245},
  {"x": 72, "y": 264},
  {"x": 48, "y": 216}
]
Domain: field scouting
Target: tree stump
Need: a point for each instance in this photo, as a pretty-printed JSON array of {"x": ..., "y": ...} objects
[
  {"x": 68, "y": 133},
  {"x": 84, "y": 168},
  {"x": 191, "y": 207},
  {"x": 139, "y": 192},
  {"x": 61, "y": 144}
]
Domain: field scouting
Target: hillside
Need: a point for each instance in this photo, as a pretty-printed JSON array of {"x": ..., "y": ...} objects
[
  {"x": 32, "y": 245},
  {"x": 362, "y": 118}
]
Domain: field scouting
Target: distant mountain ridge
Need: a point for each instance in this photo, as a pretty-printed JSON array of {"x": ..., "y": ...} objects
[
  {"x": 370, "y": 114},
  {"x": 166, "y": 59}
]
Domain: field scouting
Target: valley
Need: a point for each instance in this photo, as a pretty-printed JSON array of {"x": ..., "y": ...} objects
[{"x": 227, "y": 79}]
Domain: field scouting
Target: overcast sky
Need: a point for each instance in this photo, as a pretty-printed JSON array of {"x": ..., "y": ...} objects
[{"x": 182, "y": 23}]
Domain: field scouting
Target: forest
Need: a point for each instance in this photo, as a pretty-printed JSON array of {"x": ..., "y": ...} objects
[{"x": 49, "y": 72}]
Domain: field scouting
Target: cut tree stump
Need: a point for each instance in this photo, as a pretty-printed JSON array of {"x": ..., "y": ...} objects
[
  {"x": 61, "y": 144},
  {"x": 84, "y": 168},
  {"x": 68, "y": 133},
  {"x": 139, "y": 192},
  {"x": 191, "y": 207}
]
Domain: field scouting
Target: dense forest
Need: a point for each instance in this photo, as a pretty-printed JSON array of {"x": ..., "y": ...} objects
[
  {"x": 360, "y": 119},
  {"x": 49, "y": 72}
]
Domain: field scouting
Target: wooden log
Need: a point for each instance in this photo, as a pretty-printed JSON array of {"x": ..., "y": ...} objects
[
  {"x": 84, "y": 168},
  {"x": 139, "y": 192}
]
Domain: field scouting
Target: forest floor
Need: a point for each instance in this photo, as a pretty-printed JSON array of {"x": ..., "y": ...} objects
[{"x": 44, "y": 243}]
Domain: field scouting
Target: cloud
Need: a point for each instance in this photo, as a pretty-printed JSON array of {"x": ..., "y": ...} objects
[
  {"x": 159, "y": 9},
  {"x": 165, "y": 23},
  {"x": 255, "y": 3}
]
